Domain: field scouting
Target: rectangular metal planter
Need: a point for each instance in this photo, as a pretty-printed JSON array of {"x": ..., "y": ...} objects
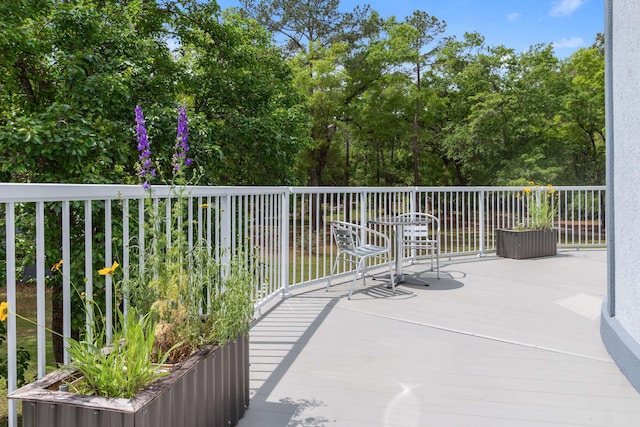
[
  {"x": 209, "y": 389},
  {"x": 522, "y": 244}
]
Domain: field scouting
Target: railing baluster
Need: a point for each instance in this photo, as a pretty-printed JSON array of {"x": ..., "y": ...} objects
[
  {"x": 88, "y": 269},
  {"x": 125, "y": 254},
  {"x": 10, "y": 242},
  {"x": 108, "y": 259},
  {"x": 66, "y": 277},
  {"x": 40, "y": 293}
]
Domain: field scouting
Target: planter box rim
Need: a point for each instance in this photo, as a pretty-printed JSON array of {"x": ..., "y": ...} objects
[
  {"x": 526, "y": 243},
  {"x": 38, "y": 390}
]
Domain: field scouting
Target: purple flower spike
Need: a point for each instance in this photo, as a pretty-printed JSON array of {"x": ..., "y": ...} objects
[
  {"x": 143, "y": 148},
  {"x": 182, "y": 146}
]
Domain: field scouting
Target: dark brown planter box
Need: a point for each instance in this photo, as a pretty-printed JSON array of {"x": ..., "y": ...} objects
[
  {"x": 209, "y": 389},
  {"x": 521, "y": 244}
]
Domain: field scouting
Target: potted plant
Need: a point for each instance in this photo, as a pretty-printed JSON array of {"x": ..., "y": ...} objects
[
  {"x": 534, "y": 236},
  {"x": 186, "y": 310}
]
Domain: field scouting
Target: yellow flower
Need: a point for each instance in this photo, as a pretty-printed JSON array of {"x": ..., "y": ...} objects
[
  {"x": 56, "y": 266},
  {"x": 204, "y": 205},
  {"x": 108, "y": 270},
  {"x": 550, "y": 189},
  {"x": 83, "y": 294},
  {"x": 532, "y": 183},
  {"x": 4, "y": 311},
  {"x": 527, "y": 190}
]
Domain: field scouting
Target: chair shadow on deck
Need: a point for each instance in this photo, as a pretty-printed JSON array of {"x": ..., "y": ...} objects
[{"x": 379, "y": 287}]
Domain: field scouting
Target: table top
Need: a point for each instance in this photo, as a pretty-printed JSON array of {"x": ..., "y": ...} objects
[{"x": 394, "y": 220}]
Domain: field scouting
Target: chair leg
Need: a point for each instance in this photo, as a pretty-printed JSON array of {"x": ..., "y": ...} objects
[
  {"x": 393, "y": 282},
  {"x": 353, "y": 283},
  {"x": 333, "y": 268}
]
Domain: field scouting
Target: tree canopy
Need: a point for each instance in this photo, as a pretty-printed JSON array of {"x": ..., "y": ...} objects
[
  {"x": 289, "y": 91},
  {"x": 71, "y": 74}
]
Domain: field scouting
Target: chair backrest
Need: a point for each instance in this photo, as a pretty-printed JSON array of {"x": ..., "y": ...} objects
[
  {"x": 346, "y": 238},
  {"x": 425, "y": 233}
]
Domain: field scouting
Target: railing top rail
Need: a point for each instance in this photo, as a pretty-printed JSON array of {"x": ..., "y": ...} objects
[
  {"x": 46, "y": 192},
  {"x": 508, "y": 188},
  {"x": 298, "y": 190},
  {"x": 309, "y": 190}
]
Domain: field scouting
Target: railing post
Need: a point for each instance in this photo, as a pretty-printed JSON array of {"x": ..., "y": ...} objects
[
  {"x": 225, "y": 232},
  {"x": 40, "y": 293},
  {"x": 125, "y": 253},
  {"x": 66, "y": 279},
  {"x": 413, "y": 203},
  {"x": 108, "y": 259},
  {"x": 284, "y": 242},
  {"x": 88, "y": 269},
  {"x": 12, "y": 365},
  {"x": 481, "y": 220},
  {"x": 363, "y": 215}
]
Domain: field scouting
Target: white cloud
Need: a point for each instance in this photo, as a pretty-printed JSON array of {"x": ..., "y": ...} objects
[
  {"x": 565, "y": 7},
  {"x": 573, "y": 42},
  {"x": 513, "y": 16}
]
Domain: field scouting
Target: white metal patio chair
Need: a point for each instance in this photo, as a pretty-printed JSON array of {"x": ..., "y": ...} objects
[
  {"x": 353, "y": 247},
  {"x": 422, "y": 236}
]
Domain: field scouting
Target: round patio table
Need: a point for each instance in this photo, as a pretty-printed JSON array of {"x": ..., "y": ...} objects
[{"x": 398, "y": 224}]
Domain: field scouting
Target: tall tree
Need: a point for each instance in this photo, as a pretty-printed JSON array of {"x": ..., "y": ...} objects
[
  {"x": 424, "y": 46},
  {"x": 72, "y": 73},
  {"x": 253, "y": 120},
  {"x": 319, "y": 37},
  {"x": 298, "y": 24},
  {"x": 582, "y": 117}
]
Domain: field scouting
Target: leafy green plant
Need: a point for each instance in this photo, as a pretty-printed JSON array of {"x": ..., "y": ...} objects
[
  {"x": 233, "y": 308},
  {"x": 123, "y": 368},
  {"x": 541, "y": 207},
  {"x": 22, "y": 356},
  {"x": 191, "y": 296}
]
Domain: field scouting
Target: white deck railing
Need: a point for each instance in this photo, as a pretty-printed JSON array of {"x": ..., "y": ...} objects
[{"x": 286, "y": 227}]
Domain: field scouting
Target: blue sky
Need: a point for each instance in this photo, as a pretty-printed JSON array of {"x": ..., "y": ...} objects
[{"x": 519, "y": 24}]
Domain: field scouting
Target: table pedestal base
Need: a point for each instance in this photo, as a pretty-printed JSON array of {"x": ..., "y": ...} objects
[{"x": 402, "y": 278}]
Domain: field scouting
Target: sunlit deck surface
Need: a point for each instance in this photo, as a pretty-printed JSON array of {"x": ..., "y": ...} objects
[{"x": 495, "y": 342}]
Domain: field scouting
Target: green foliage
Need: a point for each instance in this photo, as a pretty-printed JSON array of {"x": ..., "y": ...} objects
[
  {"x": 121, "y": 369},
  {"x": 251, "y": 117},
  {"x": 541, "y": 206},
  {"x": 79, "y": 66},
  {"x": 75, "y": 69},
  {"x": 194, "y": 297},
  {"x": 233, "y": 307},
  {"x": 176, "y": 284},
  {"x": 362, "y": 101},
  {"x": 182, "y": 284},
  {"x": 22, "y": 356},
  {"x": 71, "y": 73}
]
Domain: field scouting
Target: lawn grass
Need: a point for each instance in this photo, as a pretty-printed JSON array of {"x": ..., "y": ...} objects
[{"x": 26, "y": 302}]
